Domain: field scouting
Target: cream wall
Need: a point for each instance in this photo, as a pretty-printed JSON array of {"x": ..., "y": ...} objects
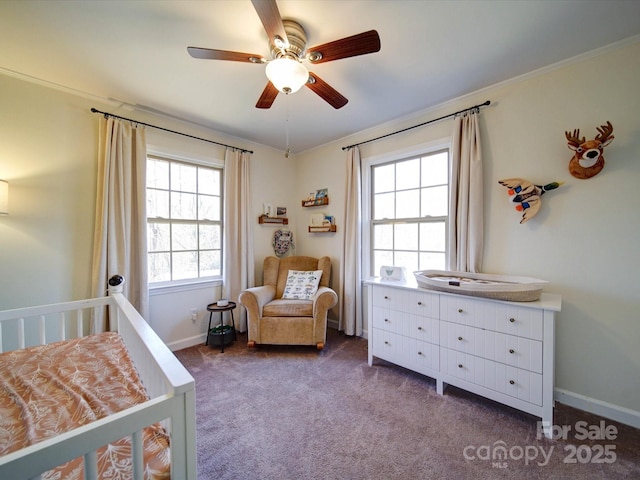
[{"x": 584, "y": 241}]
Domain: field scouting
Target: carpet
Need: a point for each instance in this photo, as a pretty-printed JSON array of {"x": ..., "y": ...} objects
[{"x": 277, "y": 412}]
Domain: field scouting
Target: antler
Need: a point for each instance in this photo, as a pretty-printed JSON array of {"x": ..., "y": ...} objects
[
  {"x": 574, "y": 139},
  {"x": 605, "y": 132}
]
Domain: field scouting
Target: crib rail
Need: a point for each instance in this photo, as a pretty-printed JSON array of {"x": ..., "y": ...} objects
[{"x": 170, "y": 387}]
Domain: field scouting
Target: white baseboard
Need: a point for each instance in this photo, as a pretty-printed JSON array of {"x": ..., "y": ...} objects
[
  {"x": 187, "y": 342},
  {"x": 598, "y": 407}
]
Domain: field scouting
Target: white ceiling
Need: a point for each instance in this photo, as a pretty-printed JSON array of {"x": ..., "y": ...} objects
[{"x": 135, "y": 52}]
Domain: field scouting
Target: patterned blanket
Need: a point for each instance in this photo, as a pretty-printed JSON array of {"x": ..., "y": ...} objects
[{"x": 50, "y": 389}]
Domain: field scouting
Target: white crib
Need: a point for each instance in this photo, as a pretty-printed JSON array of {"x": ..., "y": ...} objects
[{"x": 170, "y": 387}]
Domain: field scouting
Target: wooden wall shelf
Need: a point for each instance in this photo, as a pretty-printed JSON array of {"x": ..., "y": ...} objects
[
  {"x": 322, "y": 229},
  {"x": 263, "y": 219},
  {"x": 315, "y": 203}
]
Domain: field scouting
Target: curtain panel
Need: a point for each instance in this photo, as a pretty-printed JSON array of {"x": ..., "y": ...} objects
[
  {"x": 350, "y": 294},
  {"x": 238, "y": 264},
  {"x": 120, "y": 241},
  {"x": 466, "y": 212}
]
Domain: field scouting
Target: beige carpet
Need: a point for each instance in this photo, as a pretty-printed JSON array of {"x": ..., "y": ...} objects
[{"x": 296, "y": 413}]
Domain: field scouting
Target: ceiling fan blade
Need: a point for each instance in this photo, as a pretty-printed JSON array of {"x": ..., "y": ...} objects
[
  {"x": 360, "y": 44},
  {"x": 212, "y": 54},
  {"x": 269, "y": 94},
  {"x": 326, "y": 91},
  {"x": 270, "y": 17}
]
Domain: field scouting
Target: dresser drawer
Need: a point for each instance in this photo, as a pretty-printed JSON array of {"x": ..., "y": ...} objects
[
  {"x": 498, "y": 317},
  {"x": 424, "y": 357},
  {"x": 387, "y": 345},
  {"x": 386, "y": 297},
  {"x": 505, "y": 379},
  {"x": 389, "y": 320},
  {"x": 508, "y": 349}
]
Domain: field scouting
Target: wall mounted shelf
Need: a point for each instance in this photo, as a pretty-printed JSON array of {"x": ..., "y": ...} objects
[
  {"x": 322, "y": 229},
  {"x": 315, "y": 203},
  {"x": 263, "y": 219}
]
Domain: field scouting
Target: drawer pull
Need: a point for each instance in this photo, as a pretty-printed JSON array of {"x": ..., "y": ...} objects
[
  {"x": 419, "y": 303},
  {"x": 459, "y": 365},
  {"x": 386, "y": 297},
  {"x": 512, "y": 320},
  {"x": 512, "y": 382},
  {"x": 460, "y": 310},
  {"x": 386, "y": 342},
  {"x": 460, "y": 338},
  {"x": 511, "y": 350},
  {"x": 386, "y": 320},
  {"x": 419, "y": 328},
  {"x": 419, "y": 353}
]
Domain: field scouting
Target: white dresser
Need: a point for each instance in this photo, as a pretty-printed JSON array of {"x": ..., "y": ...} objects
[{"x": 500, "y": 350}]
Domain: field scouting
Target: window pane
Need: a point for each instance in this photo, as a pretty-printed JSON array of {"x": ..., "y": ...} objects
[
  {"x": 185, "y": 265},
  {"x": 408, "y": 204},
  {"x": 408, "y": 174},
  {"x": 384, "y": 206},
  {"x": 210, "y": 264},
  {"x": 159, "y": 267},
  {"x": 157, "y": 203},
  {"x": 158, "y": 237},
  {"x": 183, "y": 177},
  {"x": 406, "y": 236},
  {"x": 435, "y": 201},
  {"x": 208, "y": 207},
  {"x": 209, "y": 237},
  {"x": 435, "y": 169},
  {"x": 380, "y": 258},
  {"x": 157, "y": 173},
  {"x": 432, "y": 261},
  {"x": 209, "y": 181},
  {"x": 183, "y": 206},
  {"x": 184, "y": 237},
  {"x": 383, "y": 237},
  {"x": 408, "y": 260},
  {"x": 432, "y": 236},
  {"x": 384, "y": 178}
]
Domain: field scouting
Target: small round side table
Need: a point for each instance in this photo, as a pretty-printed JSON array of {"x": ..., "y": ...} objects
[{"x": 212, "y": 308}]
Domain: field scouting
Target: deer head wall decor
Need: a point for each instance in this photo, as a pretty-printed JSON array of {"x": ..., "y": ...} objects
[{"x": 588, "y": 160}]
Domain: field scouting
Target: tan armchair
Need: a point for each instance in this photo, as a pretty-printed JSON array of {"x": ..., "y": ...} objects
[{"x": 279, "y": 321}]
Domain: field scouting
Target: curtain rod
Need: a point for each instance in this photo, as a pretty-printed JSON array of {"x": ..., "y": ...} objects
[
  {"x": 106, "y": 115},
  {"x": 488, "y": 102}
]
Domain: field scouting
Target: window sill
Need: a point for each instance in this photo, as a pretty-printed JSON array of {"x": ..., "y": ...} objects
[{"x": 160, "y": 289}]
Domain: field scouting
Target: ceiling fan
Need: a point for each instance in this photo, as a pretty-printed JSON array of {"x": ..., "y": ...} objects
[{"x": 288, "y": 44}]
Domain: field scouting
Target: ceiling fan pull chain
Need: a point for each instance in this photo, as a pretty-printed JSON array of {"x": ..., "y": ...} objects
[{"x": 286, "y": 127}]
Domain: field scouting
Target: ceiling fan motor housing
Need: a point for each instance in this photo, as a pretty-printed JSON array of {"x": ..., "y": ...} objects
[{"x": 297, "y": 41}]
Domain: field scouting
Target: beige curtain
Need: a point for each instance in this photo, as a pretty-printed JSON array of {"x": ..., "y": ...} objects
[
  {"x": 120, "y": 241},
  {"x": 465, "y": 236},
  {"x": 350, "y": 294},
  {"x": 238, "y": 265}
]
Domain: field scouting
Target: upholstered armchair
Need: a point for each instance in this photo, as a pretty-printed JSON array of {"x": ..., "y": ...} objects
[{"x": 300, "y": 319}]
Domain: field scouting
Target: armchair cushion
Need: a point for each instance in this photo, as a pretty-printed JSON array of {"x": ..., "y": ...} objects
[{"x": 301, "y": 285}]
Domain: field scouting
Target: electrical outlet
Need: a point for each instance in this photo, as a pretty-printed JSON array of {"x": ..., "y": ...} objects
[{"x": 194, "y": 314}]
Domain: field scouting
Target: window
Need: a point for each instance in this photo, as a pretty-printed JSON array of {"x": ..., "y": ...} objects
[
  {"x": 409, "y": 212},
  {"x": 184, "y": 220}
]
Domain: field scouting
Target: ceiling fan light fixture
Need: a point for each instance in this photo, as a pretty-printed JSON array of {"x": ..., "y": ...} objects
[{"x": 286, "y": 74}]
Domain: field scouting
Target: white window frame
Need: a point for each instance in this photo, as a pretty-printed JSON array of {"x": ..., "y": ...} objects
[
  {"x": 367, "y": 197},
  {"x": 179, "y": 285}
]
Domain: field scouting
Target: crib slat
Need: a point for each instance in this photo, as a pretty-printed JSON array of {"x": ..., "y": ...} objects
[
  {"x": 79, "y": 324},
  {"x": 91, "y": 466},
  {"x": 137, "y": 451},
  {"x": 61, "y": 325},
  {"x": 21, "y": 332},
  {"x": 42, "y": 330}
]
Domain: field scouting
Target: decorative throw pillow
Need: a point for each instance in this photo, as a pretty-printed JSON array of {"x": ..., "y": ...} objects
[{"x": 302, "y": 285}]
